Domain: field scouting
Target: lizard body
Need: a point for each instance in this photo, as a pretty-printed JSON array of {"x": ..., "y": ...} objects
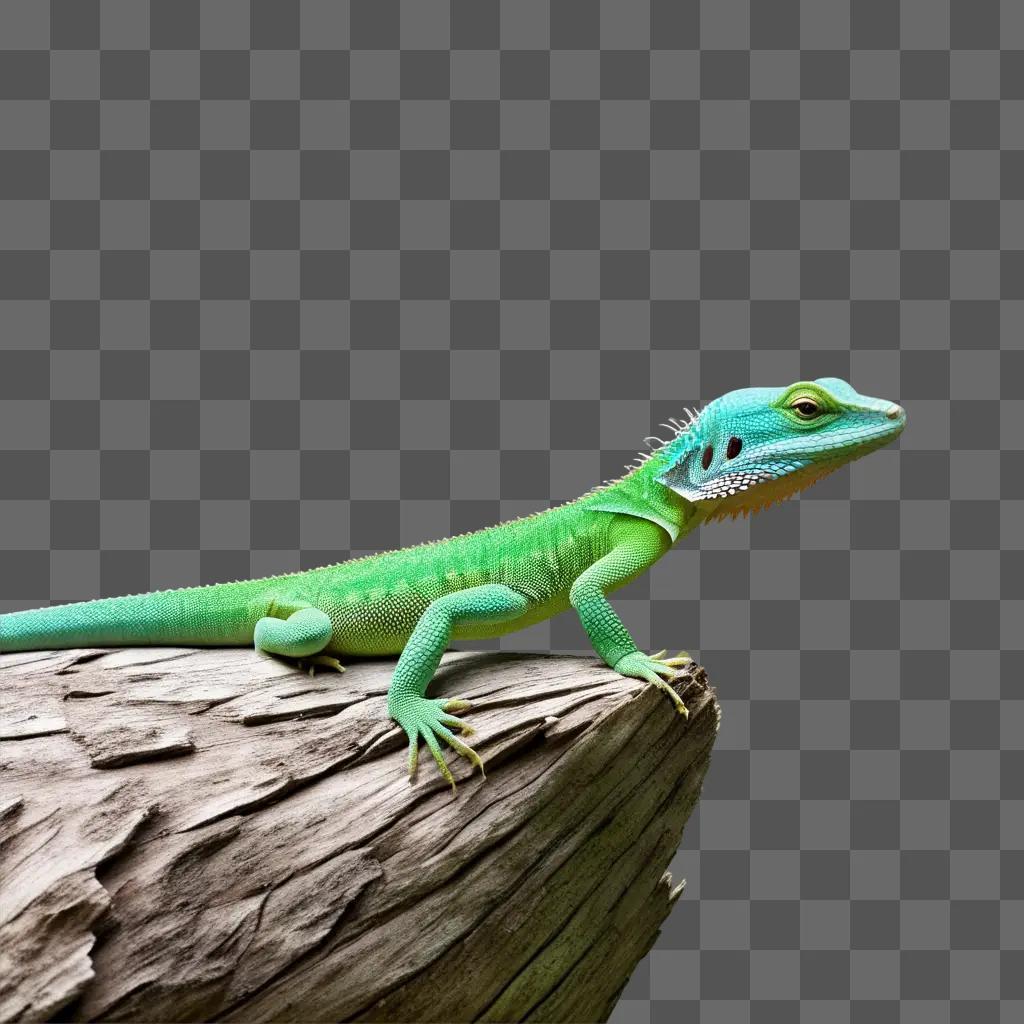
[{"x": 745, "y": 450}]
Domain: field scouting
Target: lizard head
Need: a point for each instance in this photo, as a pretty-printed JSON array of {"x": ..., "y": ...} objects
[{"x": 755, "y": 446}]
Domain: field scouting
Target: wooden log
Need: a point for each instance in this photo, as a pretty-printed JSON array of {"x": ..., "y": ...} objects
[{"x": 212, "y": 834}]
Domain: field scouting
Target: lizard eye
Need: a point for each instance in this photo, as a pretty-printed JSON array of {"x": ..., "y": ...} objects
[
  {"x": 709, "y": 454},
  {"x": 805, "y": 408}
]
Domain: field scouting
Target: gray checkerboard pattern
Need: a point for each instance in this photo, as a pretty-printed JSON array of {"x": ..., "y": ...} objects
[{"x": 286, "y": 281}]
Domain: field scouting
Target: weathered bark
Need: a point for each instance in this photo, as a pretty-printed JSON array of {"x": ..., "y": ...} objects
[{"x": 199, "y": 835}]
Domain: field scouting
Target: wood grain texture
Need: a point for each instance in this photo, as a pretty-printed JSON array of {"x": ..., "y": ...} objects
[{"x": 211, "y": 834}]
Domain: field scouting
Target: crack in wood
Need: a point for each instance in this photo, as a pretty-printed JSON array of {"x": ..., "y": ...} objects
[
  {"x": 71, "y": 668},
  {"x": 117, "y": 746},
  {"x": 33, "y": 727}
]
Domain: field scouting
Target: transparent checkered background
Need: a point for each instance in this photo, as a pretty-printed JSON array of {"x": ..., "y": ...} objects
[{"x": 282, "y": 282}]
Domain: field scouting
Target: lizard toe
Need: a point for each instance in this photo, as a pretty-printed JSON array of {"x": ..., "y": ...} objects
[
  {"x": 457, "y": 723},
  {"x": 427, "y": 733}
]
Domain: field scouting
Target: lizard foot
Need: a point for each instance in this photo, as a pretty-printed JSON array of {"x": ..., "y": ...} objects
[
  {"x": 656, "y": 670},
  {"x": 429, "y": 718},
  {"x": 313, "y": 661}
]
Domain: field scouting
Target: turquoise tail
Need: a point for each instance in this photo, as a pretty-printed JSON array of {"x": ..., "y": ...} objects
[{"x": 192, "y": 617}]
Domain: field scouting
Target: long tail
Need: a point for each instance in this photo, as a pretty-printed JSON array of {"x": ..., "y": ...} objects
[{"x": 219, "y": 615}]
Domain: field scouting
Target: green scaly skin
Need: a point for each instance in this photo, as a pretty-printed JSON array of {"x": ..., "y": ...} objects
[{"x": 744, "y": 451}]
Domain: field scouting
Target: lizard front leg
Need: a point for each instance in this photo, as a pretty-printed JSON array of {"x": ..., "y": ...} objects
[
  {"x": 426, "y": 718},
  {"x": 639, "y": 547}
]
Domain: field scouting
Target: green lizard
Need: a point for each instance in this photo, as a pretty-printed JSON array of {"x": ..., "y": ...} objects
[{"x": 743, "y": 451}]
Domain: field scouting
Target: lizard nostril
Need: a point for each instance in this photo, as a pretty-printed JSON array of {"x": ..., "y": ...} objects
[{"x": 894, "y": 412}]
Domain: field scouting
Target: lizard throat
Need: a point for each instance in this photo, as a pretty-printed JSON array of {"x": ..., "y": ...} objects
[{"x": 771, "y": 491}]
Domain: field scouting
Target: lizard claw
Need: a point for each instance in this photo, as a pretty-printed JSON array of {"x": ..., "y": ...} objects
[
  {"x": 663, "y": 684},
  {"x": 313, "y": 661},
  {"x": 677, "y": 661}
]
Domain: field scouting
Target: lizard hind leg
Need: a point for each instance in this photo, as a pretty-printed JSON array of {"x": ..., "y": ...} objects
[{"x": 303, "y": 635}]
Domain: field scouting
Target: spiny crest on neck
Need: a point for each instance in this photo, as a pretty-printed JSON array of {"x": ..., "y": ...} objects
[{"x": 685, "y": 434}]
